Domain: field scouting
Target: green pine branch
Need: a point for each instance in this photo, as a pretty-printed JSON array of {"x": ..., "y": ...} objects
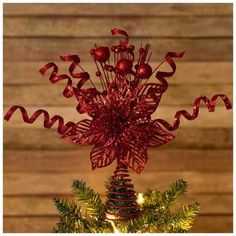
[
  {"x": 87, "y": 196},
  {"x": 67, "y": 208},
  {"x": 176, "y": 190},
  {"x": 182, "y": 220},
  {"x": 152, "y": 198},
  {"x": 107, "y": 183},
  {"x": 71, "y": 219},
  {"x": 146, "y": 223}
]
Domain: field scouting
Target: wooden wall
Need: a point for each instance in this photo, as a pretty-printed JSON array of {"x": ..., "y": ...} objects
[{"x": 38, "y": 165}]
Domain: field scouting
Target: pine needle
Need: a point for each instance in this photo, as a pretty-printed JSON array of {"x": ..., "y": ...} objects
[
  {"x": 176, "y": 190},
  {"x": 90, "y": 199}
]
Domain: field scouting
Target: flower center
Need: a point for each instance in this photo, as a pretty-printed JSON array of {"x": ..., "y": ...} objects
[{"x": 118, "y": 124}]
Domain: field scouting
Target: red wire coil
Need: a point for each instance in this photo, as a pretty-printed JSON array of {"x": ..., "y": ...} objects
[{"x": 127, "y": 207}]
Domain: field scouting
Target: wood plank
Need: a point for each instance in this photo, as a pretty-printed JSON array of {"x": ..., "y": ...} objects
[
  {"x": 69, "y": 161},
  {"x": 213, "y": 224},
  {"x": 187, "y": 72},
  {"x": 47, "y": 49},
  {"x": 186, "y": 137},
  {"x": 59, "y": 183},
  {"x": 104, "y": 9},
  {"x": 29, "y": 224},
  {"x": 43, "y": 205},
  {"x": 51, "y": 95},
  {"x": 220, "y": 118},
  {"x": 191, "y": 26},
  {"x": 203, "y": 224}
]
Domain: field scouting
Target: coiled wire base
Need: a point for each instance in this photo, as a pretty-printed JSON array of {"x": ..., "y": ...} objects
[{"x": 121, "y": 202}]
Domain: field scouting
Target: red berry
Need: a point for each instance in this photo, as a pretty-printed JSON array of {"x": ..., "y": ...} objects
[
  {"x": 98, "y": 73},
  {"x": 131, "y": 47},
  {"x": 113, "y": 48},
  {"x": 109, "y": 68},
  {"x": 123, "y": 48},
  {"x": 118, "y": 49},
  {"x": 144, "y": 71},
  {"x": 124, "y": 66},
  {"x": 101, "y": 54},
  {"x": 141, "y": 50}
]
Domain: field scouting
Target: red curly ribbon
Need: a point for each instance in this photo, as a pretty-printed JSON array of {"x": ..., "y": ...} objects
[
  {"x": 116, "y": 31},
  {"x": 48, "y": 122},
  {"x": 83, "y": 76},
  {"x": 210, "y": 104},
  {"x": 155, "y": 91},
  {"x": 54, "y": 78},
  {"x": 160, "y": 75}
]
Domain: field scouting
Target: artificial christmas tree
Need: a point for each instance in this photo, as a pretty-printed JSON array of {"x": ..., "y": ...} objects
[
  {"x": 120, "y": 128},
  {"x": 155, "y": 214}
]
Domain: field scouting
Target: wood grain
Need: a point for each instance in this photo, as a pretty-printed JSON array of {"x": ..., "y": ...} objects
[
  {"x": 191, "y": 26},
  {"x": 47, "y": 49},
  {"x": 59, "y": 183},
  {"x": 51, "y": 94},
  {"x": 187, "y": 72},
  {"x": 213, "y": 224},
  {"x": 31, "y": 161},
  {"x": 43, "y": 205},
  {"x": 32, "y": 224},
  {"x": 167, "y": 9},
  {"x": 202, "y": 138}
]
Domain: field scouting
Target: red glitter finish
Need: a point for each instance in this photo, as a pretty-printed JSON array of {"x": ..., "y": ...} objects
[
  {"x": 120, "y": 125},
  {"x": 144, "y": 71},
  {"x": 101, "y": 54},
  {"x": 124, "y": 66}
]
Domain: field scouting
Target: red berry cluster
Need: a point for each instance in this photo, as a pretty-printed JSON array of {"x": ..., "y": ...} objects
[{"x": 123, "y": 60}]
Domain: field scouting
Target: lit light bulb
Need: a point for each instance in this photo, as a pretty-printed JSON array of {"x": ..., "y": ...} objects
[
  {"x": 110, "y": 217},
  {"x": 140, "y": 199}
]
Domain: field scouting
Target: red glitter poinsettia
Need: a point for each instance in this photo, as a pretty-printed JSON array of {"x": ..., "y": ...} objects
[{"x": 120, "y": 126}]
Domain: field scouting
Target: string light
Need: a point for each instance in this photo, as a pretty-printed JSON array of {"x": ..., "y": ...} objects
[
  {"x": 110, "y": 217},
  {"x": 116, "y": 231},
  {"x": 140, "y": 199}
]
